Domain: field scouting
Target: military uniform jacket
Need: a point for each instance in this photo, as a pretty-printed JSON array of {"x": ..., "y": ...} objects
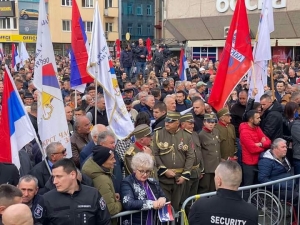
[
  {"x": 132, "y": 150},
  {"x": 198, "y": 166},
  {"x": 210, "y": 146},
  {"x": 173, "y": 151},
  {"x": 227, "y": 137}
]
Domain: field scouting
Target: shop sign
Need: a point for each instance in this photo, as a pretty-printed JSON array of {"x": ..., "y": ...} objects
[
  {"x": 18, "y": 38},
  {"x": 223, "y": 5}
]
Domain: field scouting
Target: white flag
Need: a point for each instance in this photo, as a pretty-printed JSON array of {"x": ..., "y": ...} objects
[
  {"x": 262, "y": 51},
  {"x": 101, "y": 68},
  {"x": 24, "y": 56},
  {"x": 52, "y": 123}
]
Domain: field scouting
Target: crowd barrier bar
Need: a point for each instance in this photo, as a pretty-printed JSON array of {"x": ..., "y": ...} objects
[{"x": 276, "y": 202}]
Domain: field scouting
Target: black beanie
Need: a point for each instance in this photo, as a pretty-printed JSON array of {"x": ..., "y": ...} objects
[{"x": 101, "y": 154}]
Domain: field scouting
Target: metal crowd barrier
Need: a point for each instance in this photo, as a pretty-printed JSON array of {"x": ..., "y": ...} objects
[
  {"x": 276, "y": 203},
  {"x": 156, "y": 221}
]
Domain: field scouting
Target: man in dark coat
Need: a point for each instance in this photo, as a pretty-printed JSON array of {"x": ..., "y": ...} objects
[
  {"x": 227, "y": 206},
  {"x": 271, "y": 119},
  {"x": 126, "y": 59},
  {"x": 55, "y": 151},
  {"x": 9, "y": 174},
  {"x": 159, "y": 114}
]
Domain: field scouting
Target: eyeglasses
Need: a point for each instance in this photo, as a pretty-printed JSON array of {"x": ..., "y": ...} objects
[
  {"x": 143, "y": 172},
  {"x": 62, "y": 152}
]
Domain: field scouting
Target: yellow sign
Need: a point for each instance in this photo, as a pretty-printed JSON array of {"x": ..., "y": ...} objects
[{"x": 18, "y": 38}]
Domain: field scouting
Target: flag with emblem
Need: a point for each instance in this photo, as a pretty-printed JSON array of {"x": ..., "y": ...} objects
[
  {"x": 100, "y": 67},
  {"x": 236, "y": 58},
  {"x": 52, "y": 123}
]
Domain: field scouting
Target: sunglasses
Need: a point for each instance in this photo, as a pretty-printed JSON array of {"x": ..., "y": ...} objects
[{"x": 62, "y": 152}]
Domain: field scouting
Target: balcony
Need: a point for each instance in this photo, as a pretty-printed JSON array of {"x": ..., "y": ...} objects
[
  {"x": 111, "y": 12},
  {"x": 111, "y": 35}
]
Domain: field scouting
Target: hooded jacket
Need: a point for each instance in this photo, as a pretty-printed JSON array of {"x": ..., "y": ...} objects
[
  {"x": 102, "y": 181},
  {"x": 272, "y": 122},
  {"x": 248, "y": 137},
  {"x": 270, "y": 169}
]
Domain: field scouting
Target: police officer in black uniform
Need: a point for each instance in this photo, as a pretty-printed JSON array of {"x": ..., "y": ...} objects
[
  {"x": 227, "y": 207},
  {"x": 71, "y": 203}
]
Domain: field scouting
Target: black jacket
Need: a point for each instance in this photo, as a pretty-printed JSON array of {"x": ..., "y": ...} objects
[
  {"x": 41, "y": 172},
  {"x": 198, "y": 122},
  {"x": 160, "y": 122},
  {"x": 126, "y": 59},
  {"x": 85, "y": 207},
  {"x": 237, "y": 111},
  {"x": 101, "y": 117},
  {"x": 272, "y": 122},
  {"x": 9, "y": 174},
  {"x": 226, "y": 207}
]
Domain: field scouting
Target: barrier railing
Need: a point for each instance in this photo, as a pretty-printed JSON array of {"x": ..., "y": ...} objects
[
  {"x": 126, "y": 218},
  {"x": 277, "y": 201}
]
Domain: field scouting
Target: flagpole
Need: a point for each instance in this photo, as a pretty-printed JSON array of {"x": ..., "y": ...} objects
[
  {"x": 272, "y": 79},
  {"x": 96, "y": 100},
  {"x": 253, "y": 75},
  {"x": 75, "y": 99},
  {"x": 43, "y": 153}
]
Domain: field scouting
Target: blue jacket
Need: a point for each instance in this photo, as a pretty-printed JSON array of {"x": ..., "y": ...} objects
[
  {"x": 134, "y": 197},
  {"x": 86, "y": 152},
  {"x": 271, "y": 169}
]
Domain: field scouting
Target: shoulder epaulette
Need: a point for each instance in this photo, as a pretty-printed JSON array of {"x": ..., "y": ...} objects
[
  {"x": 188, "y": 131},
  {"x": 129, "y": 151},
  {"x": 157, "y": 128}
]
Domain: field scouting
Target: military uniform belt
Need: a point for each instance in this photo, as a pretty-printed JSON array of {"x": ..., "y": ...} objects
[{"x": 180, "y": 170}]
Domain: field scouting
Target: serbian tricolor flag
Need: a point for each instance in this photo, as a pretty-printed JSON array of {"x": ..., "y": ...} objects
[
  {"x": 15, "y": 58},
  {"x": 236, "y": 58},
  {"x": 183, "y": 65},
  {"x": 79, "y": 53},
  {"x": 16, "y": 128}
]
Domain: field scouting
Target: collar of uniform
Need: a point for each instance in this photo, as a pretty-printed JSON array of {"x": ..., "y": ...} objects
[
  {"x": 139, "y": 146},
  {"x": 226, "y": 193},
  {"x": 207, "y": 130},
  {"x": 222, "y": 124}
]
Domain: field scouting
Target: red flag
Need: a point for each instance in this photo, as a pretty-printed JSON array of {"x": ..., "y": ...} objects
[
  {"x": 118, "y": 48},
  {"x": 148, "y": 46},
  {"x": 236, "y": 58}
]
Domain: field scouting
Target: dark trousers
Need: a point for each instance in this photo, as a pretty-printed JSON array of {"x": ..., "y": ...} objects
[
  {"x": 158, "y": 70},
  {"x": 249, "y": 178},
  {"x": 191, "y": 188},
  {"x": 207, "y": 183},
  {"x": 173, "y": 193}
]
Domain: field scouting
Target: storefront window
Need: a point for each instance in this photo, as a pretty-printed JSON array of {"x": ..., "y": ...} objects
[{"x": 205, "y": 52}]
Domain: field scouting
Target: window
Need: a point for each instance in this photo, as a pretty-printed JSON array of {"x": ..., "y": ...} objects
[
  {"x": 66, "y": 2},
  {"x": 204, "y": 52},
  {"x": 108, "y": 4},
  {"x": 149, "y": 29},
  {"x": 88, "y": 3},
  {"x": 8, "y": 23},
  {"x": 66, "y": 25},
  {"x": 129, "y": 28},
  {"x": 139, "y": 10},
  {"x": 149, "y": 10},
  {"x": 88, "y": 26},
  {"x": 129, "y": 9},
  {"x": 108, "y": 27},
  {"x": 139, "y": 29}
]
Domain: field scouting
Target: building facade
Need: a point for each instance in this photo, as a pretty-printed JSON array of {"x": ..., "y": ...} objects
[
  {"x": 138, "y": 19},
  {"x": 21, "y": 24},
  {"x": 204, "y": 24}
]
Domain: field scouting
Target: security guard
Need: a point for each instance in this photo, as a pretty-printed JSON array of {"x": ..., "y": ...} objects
[
  {"x": 191, "y": 187},
  {"x": 210, "y": 146},
  {"x": 227, "y": 206},
  {"x": 227, "y": 135},
  {"x": 174, "y": 157},
  {"x": 70, "y": 203},
  {"x": 142, "y": 134}
]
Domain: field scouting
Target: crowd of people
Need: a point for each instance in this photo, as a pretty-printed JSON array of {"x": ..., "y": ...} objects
[{"x": 174, "y": 152}]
